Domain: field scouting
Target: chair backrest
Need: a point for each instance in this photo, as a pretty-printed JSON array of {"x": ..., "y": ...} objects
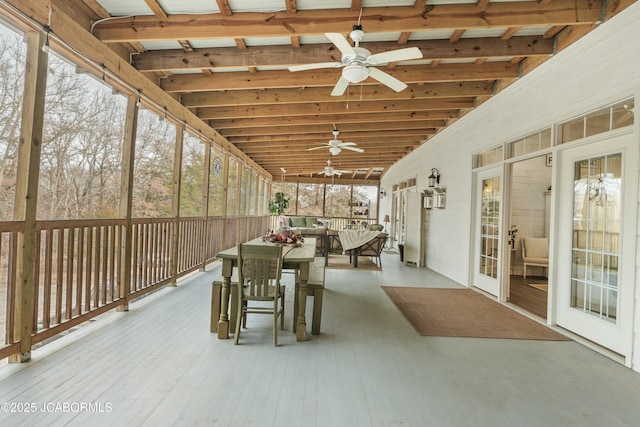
[
  {"x": 535, "y": 247},
  {"x": 373, "y": 247},
  {"x": 259, "y": 267}
]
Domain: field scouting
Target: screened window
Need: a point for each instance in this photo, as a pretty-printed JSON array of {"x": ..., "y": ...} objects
[
  {"x": 217, "y": 178},
  {"x": 153, "y": 170},
  {"x": 232, "y": 188},
  {"x": 192, "y": 176},
  {"x": 337, "y": 200},
  {"x": 82, "y": 141},
  {"x": 12, "y": 66},
  {"x": 310, "y": 199}
]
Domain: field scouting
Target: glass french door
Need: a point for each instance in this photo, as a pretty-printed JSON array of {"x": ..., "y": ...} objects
[
  {"x": 488, "y": 236},
  {"x": 596, "y": 241}
]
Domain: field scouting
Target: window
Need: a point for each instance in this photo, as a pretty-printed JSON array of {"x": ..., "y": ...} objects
[
  {"x": 488, "y": 157},
  {"x": 531, "y": 143},
  {"x": 605, "y": 119}
]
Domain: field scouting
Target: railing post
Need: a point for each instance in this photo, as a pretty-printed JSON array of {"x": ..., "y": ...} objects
[
  {"x": 26, "y": 193},
  {"x": 126, "y": 195}
]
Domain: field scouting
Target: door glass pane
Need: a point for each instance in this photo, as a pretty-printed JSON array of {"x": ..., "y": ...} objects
[
  {"x": 490, "y": 230},
  {"x": 596, "y": 229}
]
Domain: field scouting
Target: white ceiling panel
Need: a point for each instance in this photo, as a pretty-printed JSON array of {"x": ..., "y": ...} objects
[
  {"x": 325, "y": 4},
  {"x": 431, "y": 35},
  {"x": 126, "y": 7},
  {"x": 212, "y": 43},
  {"x": 161, "y": 45},
  {"x": 256, "y": 5},
  {"x": 189, "y": 6},
  {"x": 267, "y": 41}
]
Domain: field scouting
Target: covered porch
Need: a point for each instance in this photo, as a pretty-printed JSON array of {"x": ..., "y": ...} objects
[{"x": 158, "y": 364}]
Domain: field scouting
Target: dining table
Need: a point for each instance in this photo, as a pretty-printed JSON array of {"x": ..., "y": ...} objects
[{"x": 295, "y": 257}]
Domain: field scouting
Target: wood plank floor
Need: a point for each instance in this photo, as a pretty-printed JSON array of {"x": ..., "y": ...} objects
[
  {"x": 527, "y": 297},
  {"x": 158, "y": 365}
]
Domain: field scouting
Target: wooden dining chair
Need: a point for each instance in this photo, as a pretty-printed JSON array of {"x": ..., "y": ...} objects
[{"x": 259, "y": 274}]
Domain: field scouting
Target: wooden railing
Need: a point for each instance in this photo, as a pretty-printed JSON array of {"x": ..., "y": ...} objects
[{"x": 79, "y": 265}]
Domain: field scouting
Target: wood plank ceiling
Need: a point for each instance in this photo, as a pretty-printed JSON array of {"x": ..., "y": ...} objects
[{"x": 227, "y": 61}]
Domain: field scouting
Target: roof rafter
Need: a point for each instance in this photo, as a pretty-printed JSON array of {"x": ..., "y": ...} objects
[{"x": 375, "y": 19}]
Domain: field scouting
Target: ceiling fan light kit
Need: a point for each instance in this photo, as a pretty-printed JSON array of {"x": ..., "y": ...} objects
[{"x": 355, "y": 73}]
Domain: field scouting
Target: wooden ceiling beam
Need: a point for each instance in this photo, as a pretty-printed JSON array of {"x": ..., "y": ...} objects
[
  {"x": 312, "y": 95},
  {"x": 363, "y": 107},
  {"x": 322, "y": 132},
  {"x": 264, "y": 158},
  {"x": 359, "y": 137},
  {"x": 157, "y": 10},
  {"x": 279, "y": 55},
  {"x": 315, "y": 78},
  {"x": 374, "y": 20},
  {"x": 353, "y": 162},
  {"x": 224, "y": 7},
  {"x": 236, "y": 127}
]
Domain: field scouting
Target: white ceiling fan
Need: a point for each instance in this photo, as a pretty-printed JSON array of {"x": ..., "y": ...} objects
[
  {"x": 359, "y": 63},
  {"x": 330, "y": 171},
  {"x": 336, "y": 146}
]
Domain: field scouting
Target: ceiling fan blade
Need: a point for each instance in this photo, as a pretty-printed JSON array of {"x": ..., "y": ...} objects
[
  {"x": 347, "y": 143},
  {"x": 341, "y": 43},
  {"x": 358, "y": 150},
  {"x": 315, "y": 66},
  {"x": 387, "y": 79},
  {"x": 395, "y": 56},
  {"x": 340, "y": 87},
  {"x": 317, "y": 148}
]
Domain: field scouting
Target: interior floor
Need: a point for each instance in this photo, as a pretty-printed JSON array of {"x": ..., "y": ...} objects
[{"x": 530, "y": 298}]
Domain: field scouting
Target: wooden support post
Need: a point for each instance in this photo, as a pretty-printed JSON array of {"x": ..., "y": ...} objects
[
  {"x": 206, "y": 181},
  {"x": 126, "y": 195},
  {"x": 175, "y": 201},
  {"x": 26, "y": 196}
]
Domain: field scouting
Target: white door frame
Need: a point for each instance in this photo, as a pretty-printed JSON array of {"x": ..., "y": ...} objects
[{"x": 487, "y": 284}]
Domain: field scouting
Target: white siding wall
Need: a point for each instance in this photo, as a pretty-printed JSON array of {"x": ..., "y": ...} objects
[{"x": 601, "y": 68}]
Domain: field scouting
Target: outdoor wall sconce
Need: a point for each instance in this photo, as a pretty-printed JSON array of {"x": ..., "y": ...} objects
[
  {"x": 427, "y": 202},
  {"x": 434, "y": 178},
  {"x": 439, "y": 199}
]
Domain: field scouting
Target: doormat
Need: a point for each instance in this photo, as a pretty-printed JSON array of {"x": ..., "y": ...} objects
[{"x": 465, "y": 313}]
